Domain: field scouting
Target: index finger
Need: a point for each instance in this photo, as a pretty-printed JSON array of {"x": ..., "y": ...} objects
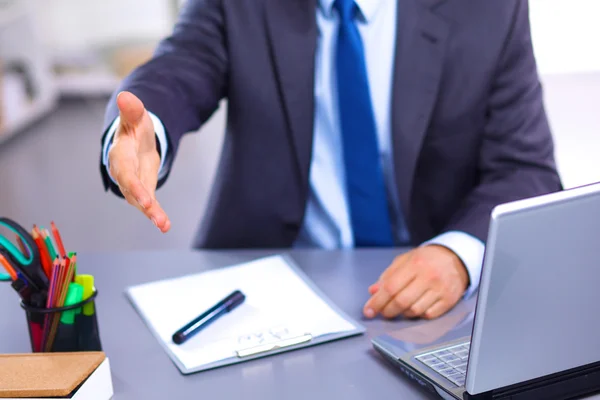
[
  {"x": 395, "y": 278},
  {"x": 376, "y": 303}
]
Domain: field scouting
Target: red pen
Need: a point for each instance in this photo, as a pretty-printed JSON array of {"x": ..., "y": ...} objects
[
  {"x": 44, "y": 255},
  {"x": 58, "y": 240}
]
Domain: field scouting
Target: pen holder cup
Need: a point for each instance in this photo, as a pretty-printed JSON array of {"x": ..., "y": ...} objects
[{"x": 64, "y": 329}]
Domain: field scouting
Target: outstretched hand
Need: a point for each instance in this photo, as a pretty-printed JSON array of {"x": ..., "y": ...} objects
[{"x": 134, "y": 160}]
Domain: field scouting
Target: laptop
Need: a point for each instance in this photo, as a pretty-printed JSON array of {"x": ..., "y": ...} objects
[{"x": 535, "y": 330}]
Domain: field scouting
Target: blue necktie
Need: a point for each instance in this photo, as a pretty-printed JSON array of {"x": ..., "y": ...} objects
[{"x": 365, "y": 184}]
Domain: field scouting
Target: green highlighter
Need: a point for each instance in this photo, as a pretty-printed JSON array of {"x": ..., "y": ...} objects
[{"x": 66, "y": 336}]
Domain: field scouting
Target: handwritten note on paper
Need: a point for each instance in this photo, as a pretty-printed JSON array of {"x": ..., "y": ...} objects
[{"x": 279, "y": 304}]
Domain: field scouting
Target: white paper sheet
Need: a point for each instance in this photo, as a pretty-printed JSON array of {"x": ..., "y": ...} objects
[{"x": 278, "y": 304}]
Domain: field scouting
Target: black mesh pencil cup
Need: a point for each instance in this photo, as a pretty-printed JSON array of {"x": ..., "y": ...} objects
[{"x": 64, "y": 329}]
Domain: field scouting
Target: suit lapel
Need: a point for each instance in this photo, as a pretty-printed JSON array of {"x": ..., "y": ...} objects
[
  {"x": 420, "y": 47},
  {"x": 292, "y": 30}
]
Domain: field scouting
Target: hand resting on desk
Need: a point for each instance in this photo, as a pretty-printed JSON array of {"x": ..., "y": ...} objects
[
  {"x": 134, "y": 160},
  {"x": 425, "y": 282}
]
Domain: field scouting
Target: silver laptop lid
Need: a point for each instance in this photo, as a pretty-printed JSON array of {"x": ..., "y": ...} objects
[{"x": 539, "y": 296}]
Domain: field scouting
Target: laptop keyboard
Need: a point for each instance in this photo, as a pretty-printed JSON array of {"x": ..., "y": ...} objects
[{"x": 450, "y": 362}]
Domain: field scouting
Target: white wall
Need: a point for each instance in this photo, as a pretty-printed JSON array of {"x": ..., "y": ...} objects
[
  {"x": 573, "y": 103},
  {"x": 565, "y": 32},
  {"x": 566, "y": 37},
  {"x": 79, "y": 24}
]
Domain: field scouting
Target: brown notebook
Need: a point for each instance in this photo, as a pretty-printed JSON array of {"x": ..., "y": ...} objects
[{"x": 45, "y": 374}]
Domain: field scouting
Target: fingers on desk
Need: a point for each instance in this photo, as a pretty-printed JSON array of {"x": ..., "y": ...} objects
[{"x": 421, "y": 306}]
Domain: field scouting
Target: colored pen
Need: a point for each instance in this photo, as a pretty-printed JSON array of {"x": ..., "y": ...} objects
[
  {"x": 44, "y": 256},
  {"x": 73, "y": 258},
  {"x": 66, "y": 335},
  {"x": 224, "y": 306},
  {"x": 58, "y": 240},
  {"x": 50, "y": 301},
  {"x": 49, "y": 245},
  {"x": 63, "y": 280}
]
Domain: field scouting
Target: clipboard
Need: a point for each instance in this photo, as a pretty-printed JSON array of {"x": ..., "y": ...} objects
[{"x": 269, "y": 339}]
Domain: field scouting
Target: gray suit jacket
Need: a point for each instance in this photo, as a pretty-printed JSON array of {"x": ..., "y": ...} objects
[{"x": 469, "y": 127}]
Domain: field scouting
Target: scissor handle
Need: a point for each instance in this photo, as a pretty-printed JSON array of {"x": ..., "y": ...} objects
[
  {"x": 5, "y": 277},
  {"x": 25, "y": 260}
]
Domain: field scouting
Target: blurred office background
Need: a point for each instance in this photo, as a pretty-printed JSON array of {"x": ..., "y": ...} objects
[{"x": 60, "y": 59}]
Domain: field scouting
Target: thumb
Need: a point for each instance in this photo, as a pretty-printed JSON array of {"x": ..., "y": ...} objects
[{"x": 131, "y": 109}]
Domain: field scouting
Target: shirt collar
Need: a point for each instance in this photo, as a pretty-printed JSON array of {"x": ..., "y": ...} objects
[{"x": 368, "y": 8}]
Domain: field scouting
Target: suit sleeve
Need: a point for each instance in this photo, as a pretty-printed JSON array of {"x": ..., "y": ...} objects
[
  {"x": 516, "y": 158},
  {"x": 184, "y": 81}
]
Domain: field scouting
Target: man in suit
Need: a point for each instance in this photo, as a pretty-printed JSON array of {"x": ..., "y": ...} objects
[{"x": 351, "y": 123}]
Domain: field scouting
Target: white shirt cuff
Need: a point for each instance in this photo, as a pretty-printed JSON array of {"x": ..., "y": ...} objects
[
  {"x": 159, "y": 130},
  {"x": 469, "y": 249}
]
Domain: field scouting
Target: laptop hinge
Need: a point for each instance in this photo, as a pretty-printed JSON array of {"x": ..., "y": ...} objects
[{"x": 572, "y": 384}]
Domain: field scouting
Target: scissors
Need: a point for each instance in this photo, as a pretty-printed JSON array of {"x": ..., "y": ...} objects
[
  {"x": 11, "y": 274},
  {"x": 29, "y": 265}
]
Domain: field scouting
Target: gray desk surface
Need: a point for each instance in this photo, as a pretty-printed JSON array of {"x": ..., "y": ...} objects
[{"x": 345, "y": 369}]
